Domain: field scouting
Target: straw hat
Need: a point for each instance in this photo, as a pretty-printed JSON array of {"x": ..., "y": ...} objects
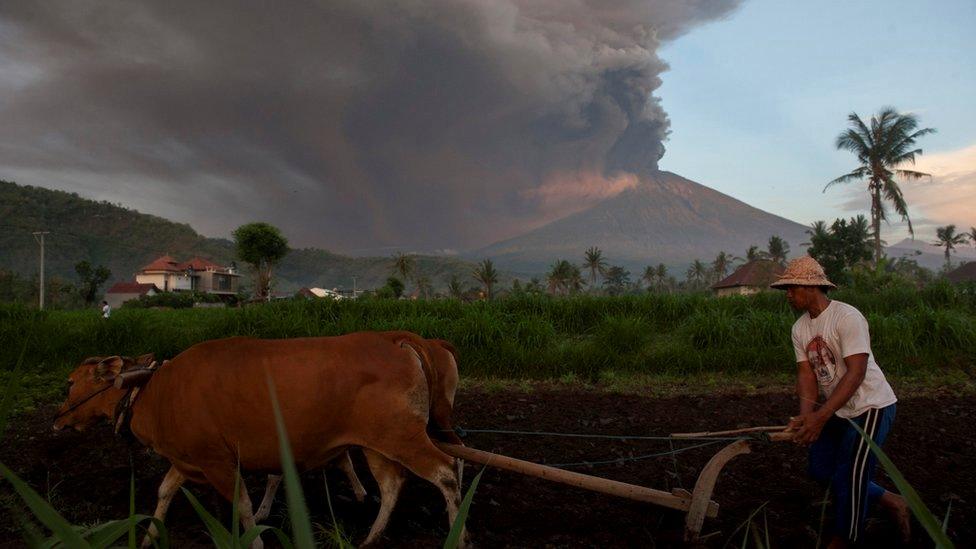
[{"x": 803, "y": 271}]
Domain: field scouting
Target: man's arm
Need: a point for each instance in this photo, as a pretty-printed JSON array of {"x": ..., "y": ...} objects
[
  {"x": 806, "y": 387},
  {"x": 810, "y": 424}
]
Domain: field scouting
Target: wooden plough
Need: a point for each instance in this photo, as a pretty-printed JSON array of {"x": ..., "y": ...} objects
[{"x": 696, "y": 504}]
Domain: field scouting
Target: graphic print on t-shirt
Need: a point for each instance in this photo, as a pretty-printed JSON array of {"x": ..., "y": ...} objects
[{"x": 822, "y": 360}]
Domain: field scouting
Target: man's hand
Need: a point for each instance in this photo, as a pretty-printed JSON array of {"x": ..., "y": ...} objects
[{"x": 808, "y": 427}]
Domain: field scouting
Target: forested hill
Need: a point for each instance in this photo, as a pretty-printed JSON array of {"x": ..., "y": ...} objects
[{"x": 124, "y": 240}]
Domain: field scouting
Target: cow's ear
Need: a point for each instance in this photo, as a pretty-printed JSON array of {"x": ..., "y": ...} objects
[
  {"x": 108, "y": 368},
  {"x": 146, "y": 359}
]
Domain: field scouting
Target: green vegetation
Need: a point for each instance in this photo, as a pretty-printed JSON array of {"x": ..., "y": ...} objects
[
  {"x": 262, "y": 246},
  {"x": 917, "y": 333},
  {"x": 948, "y": 238}
]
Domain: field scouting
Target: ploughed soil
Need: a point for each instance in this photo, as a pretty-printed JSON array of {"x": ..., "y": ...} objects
[{"x": 86, "y": 475}]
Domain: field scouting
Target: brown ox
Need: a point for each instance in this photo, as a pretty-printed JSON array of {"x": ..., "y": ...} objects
[
  {"x": 209, "y": 409},
  {"x": 444, "y": 381}
]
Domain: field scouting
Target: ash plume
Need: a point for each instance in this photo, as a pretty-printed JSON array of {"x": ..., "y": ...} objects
[{"x": 349, "y": 124}]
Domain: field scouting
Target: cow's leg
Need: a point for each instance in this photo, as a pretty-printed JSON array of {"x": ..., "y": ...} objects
[
  {"x": 345, "y": 463},
  {"x": 264, "y": 510},
  {"x": 389, "y": 477},
  {"x": 171, "y": 483},
  {"x": 223, "y": 481},
  {"x": 422, "y": 458}
]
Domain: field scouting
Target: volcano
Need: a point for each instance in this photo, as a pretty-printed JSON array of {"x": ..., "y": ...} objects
[{"x": 665, "y": 218}]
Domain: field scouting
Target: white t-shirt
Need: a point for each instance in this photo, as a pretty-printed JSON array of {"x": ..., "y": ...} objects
[
  {"x": 840, "y": 331},
  {"x": 106, "y": 311}
]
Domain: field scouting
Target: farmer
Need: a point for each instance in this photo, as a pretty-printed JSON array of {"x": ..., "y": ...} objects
[
  {"x": 833, "y": 352},
  {"x": 106, "y": 310}
]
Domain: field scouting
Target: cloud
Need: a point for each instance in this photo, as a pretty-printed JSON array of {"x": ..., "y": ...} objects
[
  {"x": 564, "y": 194},
  {"x": 948, "y": 197},
  {"x": 349, "y": 123}
]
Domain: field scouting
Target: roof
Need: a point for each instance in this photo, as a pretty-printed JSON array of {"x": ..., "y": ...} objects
[
  {"x": 132, "y": 288},
  {"x": 164, "y": 263},
  {"x": 758, "y": 272},
  {"x": 963, "y": 273},
  {"x": 167, "y": 263},
  {"x": 199, "y": 264}
]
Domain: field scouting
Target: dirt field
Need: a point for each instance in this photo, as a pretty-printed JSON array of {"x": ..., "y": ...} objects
[{"x": 87, "y": 475}]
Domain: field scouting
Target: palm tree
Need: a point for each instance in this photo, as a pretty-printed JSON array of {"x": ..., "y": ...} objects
[
  {"x": 486, "y": 275},
  {"x": 594, "y": 261},
  {"x": 777, "y": 249},
  {"x": 454, "y": 287},
  {"x": 662, "y": 275},
  {"x": 818, "y": 232},
  {"x": 564, "y": 278},
  {"x": 424, "y": 286},
  {"x": 948, "y": 239},
  {"x": 880, "y": 149},
  {"x": 754, "y": 253},
  {"x": 403, "y": 265},
  {"x": 650, "y": 277},
  {"x": 721, "y": 265},
  {"x": 972, "y": 236},
  {"x": 696, "y": 273},
  {"x": 617, "y": 280}
]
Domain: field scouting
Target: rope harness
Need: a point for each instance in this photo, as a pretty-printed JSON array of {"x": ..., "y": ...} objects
[{"x": 123, "y": 408}]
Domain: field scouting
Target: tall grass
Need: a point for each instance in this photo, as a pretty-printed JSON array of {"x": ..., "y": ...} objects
[{"x": 532, "y": 337}]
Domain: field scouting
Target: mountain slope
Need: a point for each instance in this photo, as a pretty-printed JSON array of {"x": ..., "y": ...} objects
[
  {"x": 124, "y": 240},
  {"x": 664, "y": 219}
]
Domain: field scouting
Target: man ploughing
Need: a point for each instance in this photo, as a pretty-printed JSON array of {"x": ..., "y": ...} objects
[{"x": 833, "y": 353}]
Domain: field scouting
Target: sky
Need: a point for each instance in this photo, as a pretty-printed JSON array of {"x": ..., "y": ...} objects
[
  {"x": 757, "y": 100},
  {"x": 365, "y": 126}
]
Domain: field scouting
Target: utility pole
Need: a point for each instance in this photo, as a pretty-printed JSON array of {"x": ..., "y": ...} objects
[
  {"x": 41, "y": 242},
  {"x": 353, "y": 286}
]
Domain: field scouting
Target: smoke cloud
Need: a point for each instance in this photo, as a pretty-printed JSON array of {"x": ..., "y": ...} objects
[{"x": 351, "y": 124}]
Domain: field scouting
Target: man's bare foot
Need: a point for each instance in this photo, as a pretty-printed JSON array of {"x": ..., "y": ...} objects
[{"x": 900, "y": 512}]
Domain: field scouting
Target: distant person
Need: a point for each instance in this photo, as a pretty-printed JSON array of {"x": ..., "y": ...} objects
[
  {"x": 106, "y": 310},
  {"x": 833, "y": 352}
]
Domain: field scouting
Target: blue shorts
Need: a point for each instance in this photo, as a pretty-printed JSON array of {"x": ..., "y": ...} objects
[{"x": 841, "y": 459}]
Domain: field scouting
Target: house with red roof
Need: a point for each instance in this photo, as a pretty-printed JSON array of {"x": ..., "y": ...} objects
[
  {"x": 752, "y": 277},
  {"x": 197, "y": 274},
  {"x": 125, "y": 291}
]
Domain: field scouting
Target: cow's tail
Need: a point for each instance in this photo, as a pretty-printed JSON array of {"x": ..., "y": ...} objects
[
  {"x": 438, "y": 422},
  {"x": 430, "y": 374}
]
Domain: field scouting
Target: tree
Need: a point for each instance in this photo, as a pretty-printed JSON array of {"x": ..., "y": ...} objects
[
  {"x": 754, "y": 253},
  {"x": 650, "y": 277},
  {"x": 395, "y": 286},
  {"x": 949, "y": 239},
  {"x": 841, "y": 246},
  {"x": 403, "y": 265},
  {"x": 972, "y": 236},
  {"x": 663, "y": 280},
  {"x": 564, "y": 278},
  {"x": 616, "y": 280},
  {"x": 262, "y": 246},
  {"x": 486, "y": 274},
  {"x": 880, "y": 149},
  {"x": 777, "y": 249},
  {"x": 91, "y": 280},
  {"x": 594, "y": 261},
  {"x": 721, "y": 265},
  {"x": 696, "y": 274},
  {"x": 424, "y": 286},
  {"x": 454, "y": 288}
]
